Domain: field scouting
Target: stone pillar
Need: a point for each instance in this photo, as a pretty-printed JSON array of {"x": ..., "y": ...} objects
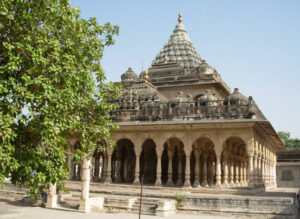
[
  {"x": 52, "y": 197},
  {"x": 236, "y": 173},
  {"x": 274, "y": 170},
  {"x": 187, "y": 180},
  {"x": 231, "y": 172},
  {"x": 263, "y": 170},
  {"x": 205, "y": 155},
  {"x": 250, "y": 171},
  {"x": 212, "y": 172},
  {"x": 225, "y": 183},
  {"x": 241, "y": 173},
  {"x": 245, "y": 172},
  {"x": 268, "y": 171},
  {"x": 255, "y": 169},
  {"x": 170, "y": 167},
  {"x": 218, "y": 170},
  {"x": 197, "y": 166},
  {"x": 137, "y": 170},
  {"x": 158, "y": 170},
  {"x": 108, "y": 169},
  {"x": 259, "y": 175},
  {"x": 84, "y": 205},
  {"x": 80, "y": 168}
]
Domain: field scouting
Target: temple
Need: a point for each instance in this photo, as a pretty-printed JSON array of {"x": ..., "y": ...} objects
[{"x": 182, "y": 127}]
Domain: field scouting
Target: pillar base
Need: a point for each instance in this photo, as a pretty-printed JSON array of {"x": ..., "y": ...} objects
[
  {"x": 157, "y": 184},
  {"x": 225, "y": 185},
  {"x": 204, "y": 184},
  {"x": 136, "y": 182},
  {"x": 158, "y": 180},
  {"x": 51, "y": 201},
  {"x": 196, "y": 185},
  {"x": 84, "y": 206},
  {"x": 218, "y": 185},
  {"x": 107, "y": 181},
  {"x": 187, "y": 183}
]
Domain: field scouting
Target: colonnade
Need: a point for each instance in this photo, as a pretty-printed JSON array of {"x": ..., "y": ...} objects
[
  {"x": 175, "y": 165},
  {"x": 234, "y": 164},
  {"x": 264, "y": 166}
]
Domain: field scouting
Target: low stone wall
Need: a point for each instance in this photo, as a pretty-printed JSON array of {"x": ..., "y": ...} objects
[
  {"x": 262, "y": 207},
  {"x": 288, "y": 174}
]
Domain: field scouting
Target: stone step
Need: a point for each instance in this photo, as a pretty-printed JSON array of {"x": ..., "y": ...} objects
[
  {"x": 69, "y": 201},
  {"x": 143, "y": 212},
  {"x": 146, "y": 209},
  {"x": 148, "y": 206},
  {"x": 69, "y": 204},
  {"x": 144, "y": 205}
]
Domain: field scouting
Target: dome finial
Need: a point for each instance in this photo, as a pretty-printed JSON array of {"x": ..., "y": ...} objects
[
  {"x": 146, "y": 77},
  {"x": 179, "y": 18}
]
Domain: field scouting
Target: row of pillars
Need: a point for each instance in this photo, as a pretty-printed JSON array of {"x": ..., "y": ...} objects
[
  {"x": 210, "y": 170},
  {"x": 235, "y": 173},
  {"x": 264, "y": 171}
]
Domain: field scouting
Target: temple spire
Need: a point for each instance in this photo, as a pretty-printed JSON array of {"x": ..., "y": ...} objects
[{"x": 179, "y": 18}]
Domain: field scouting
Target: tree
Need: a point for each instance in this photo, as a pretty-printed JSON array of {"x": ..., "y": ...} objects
[
  {"x": 49, "y": 58},
  {"x": 288, "y": 141}
]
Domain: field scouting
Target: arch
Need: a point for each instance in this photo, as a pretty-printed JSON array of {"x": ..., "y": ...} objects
[
  {"x": 234, "y": 160},
  {"x": 148, "y": 161},
  {"x": 123, "y": 162},
  {"x": 173, "y": 162},
  {"x": 203, "y": 162},
  {"x": 135, "y": 140}
]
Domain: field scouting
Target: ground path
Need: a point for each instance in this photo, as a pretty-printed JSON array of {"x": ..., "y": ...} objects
[{"x": 10, "y": 208}]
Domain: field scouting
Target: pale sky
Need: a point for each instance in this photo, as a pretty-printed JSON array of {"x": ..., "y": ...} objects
[{"x": 253, "y": 44}]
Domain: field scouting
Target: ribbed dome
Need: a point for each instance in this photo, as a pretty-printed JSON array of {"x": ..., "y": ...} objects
[
  {"x": 236, "y": 98},
  {"x": 179, "y": 49},
  {"x": 180, "y": 98},
  {"x": 129, "y": 75},
  {"x": 207, "y": 97}
]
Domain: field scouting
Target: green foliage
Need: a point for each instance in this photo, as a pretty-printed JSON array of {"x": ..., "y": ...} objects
[
  {"x": 49, "y": 58},
  {"x": 289, "y": 142},
  {"x": 179, "y": 200}
]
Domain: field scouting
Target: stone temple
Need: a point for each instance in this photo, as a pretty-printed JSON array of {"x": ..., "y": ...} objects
[{"x": 183, "y": 132}]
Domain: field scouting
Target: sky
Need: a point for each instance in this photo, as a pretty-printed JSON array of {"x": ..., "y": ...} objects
[{"x": 253, "y": 44}]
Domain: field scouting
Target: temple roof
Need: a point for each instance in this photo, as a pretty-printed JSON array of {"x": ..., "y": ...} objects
[{"x": 179, "y": 49}]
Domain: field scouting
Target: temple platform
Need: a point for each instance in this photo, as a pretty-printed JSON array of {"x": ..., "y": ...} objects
[{"x": 164, "y": 201}]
